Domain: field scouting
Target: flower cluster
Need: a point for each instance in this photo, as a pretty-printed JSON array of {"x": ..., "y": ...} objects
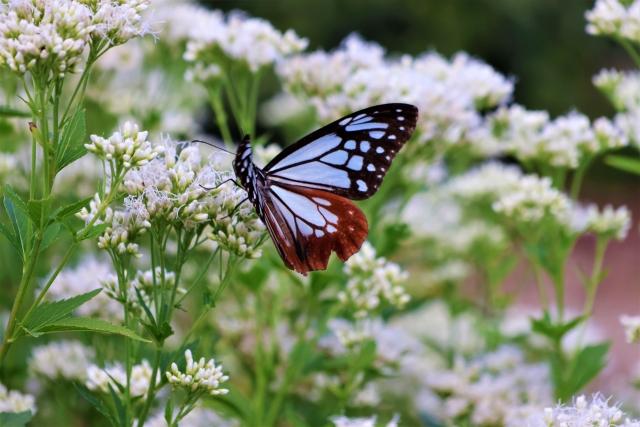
[
  {"x": 372, "y": 281},
  {"x": 631, "y": 327},
  {"x": 84, "y": 278},
  {"x": 250, "y": 41},
  {"x": 99, "y": 379},
  {"x": 532, "y": 137},
  {"x": 124, "y": 150},
  {"x": 51, "y": 35},
  {"x": 609, "y": 223},
  {"x": 67, "y": 360},
  {"x": 14, "y": 401},
  {"x": 615, "y": 18},
  {"x": 201, "y": 376},
  {"x": 447, "y": 93},
  {"x": 598, "y": 413},
  {"x": 495, "y": 389}
]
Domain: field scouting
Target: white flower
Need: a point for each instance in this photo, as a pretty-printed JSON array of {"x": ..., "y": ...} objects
[
  {"x": 120, "y": 21},
  {"x": 581, "y": 413},
  {"x": 84, "y": 278},
  {"x": 199, "y": 417},
  {"x": 251, "y": 41},
  {"x": 372, "y": 281},
  {"x": 609, "y": 222},
  {"x": 607, "y": 17},
  {"x": 342, "y": 421},
  {"x": 67, "y": 360},
  {"x": 99, "y": 379},
  {"x": 14, "y": 401},
  {"x": 631, "y": 327},
  {"x": 198, "y": 376}
]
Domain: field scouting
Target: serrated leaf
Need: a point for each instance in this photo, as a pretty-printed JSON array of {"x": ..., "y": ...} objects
[
  {"x": 12, "y": 112},
  {"x": 546, "y": 327},
  {"x": 627, "y": 164},
  {"x": 49, "y": 312},
  {"x": 38, "y": 211},
  {"x": 15, "y": 419},
  {"x": 99, "y": 406},
  {"x": 50, "y": 235},
  {"x": 89, "y": 324},
  {"x": 73, "y": 208},
  {"x": 144, "y": 307},
  {"x": 19, "y": 222},
  {"x": 96, "y": 231},
  {"x": 15, "y": 199},
  {"x": 71, "y": 147},
  {"x": 11, "y": 237}
]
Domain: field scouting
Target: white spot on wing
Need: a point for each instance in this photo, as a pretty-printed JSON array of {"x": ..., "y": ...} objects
[
  {"x": 392, "y": 137},
  {"x": 401, "y": 127},
  {"x": 400, "y": 118},
  {"x": 365, "y": 126},
  {"x": 379, "y": 150},
  {"x": 359, "y": 116},
  {"x": 398, "y": 110},
  {"x": 376, "y": 134},
  {"x": 304, "y": 228},
  {"x": 371, "y": 168},
  {"x": 364, "y": 146},
  {"x": 310, "y": 151},
  {"x": 350, "y": 145},
  {"x": 320, "y": 201},
  {"x": 336, "y": 158},
  {"x": 355, "y": 163},
  {"x": 345, "y": 121},
  {"x": 331, "y": 228},
  {"x": 362, "y": 186},
  {"x": 329, "y": 216},
  {"x": 319, "y": 233},
  {"x": 316, "y": 173}
]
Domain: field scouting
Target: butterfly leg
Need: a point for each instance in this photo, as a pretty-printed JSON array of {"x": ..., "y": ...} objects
[
  {"x": 222, "y": 183},
  {"x": 236, "y": 208}
]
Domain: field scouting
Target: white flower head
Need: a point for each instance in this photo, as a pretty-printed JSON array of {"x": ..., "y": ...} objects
[
  {"x": 66, "y": 360},
  {"x": 14, "y": 401},
  {"x": 631, "y": 328},
  {"x": 99, "y": 379},
  {"x": 200, "y": 376}
]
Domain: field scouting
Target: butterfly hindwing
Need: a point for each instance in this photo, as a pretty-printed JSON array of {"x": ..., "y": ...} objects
[
  {"x": 350, "y": 156},
  {"x": 308, "y": 224}
]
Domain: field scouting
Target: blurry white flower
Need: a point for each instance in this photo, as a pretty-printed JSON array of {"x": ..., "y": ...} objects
[
  {"x": 487, "y": 182},
  {"x": 14, "y": 401},
  {"x": 201, "y": 376},
  {"x": 120, "y": 21},
  {"x": 609, "y": 223},
  {"x": 369, "y": 395},
  {"x": 372, "y": 281},
  {"x": 581, "y": 413},
  {"x": 280, "y": 109},
  {"x": 631, "y": 327},
  {"x": 99, "y": 379},
  {"x": 606, "y": 18},
  {"x": 66, "y": 360},
  {"x": 252, "y": 41},
  {"x": 84, "y": 278},
  {"x": 199, "y": 417},
  {"x": 342, "y": 421}
]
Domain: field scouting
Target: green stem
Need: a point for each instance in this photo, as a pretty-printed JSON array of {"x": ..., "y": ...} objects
[
  {"x": 44, "y": 129},
  {"x": 83, "y": 78},
  {"x": 183, "y": 240},
  {"x": 630, "y": 49},
  {"x": 22, "y": 289},
  {"x": 200, "y": 276},
  {"x": 152, "y": 386},
  {"x": 542, "y": 293},
  {"x": 578, "y": 177},
  {"x": 221, "y": 117}
]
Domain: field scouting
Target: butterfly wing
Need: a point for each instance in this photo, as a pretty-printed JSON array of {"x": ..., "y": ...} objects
[
  {"x": 307, "y": 224},
  {"x": 348, "y": 157}
]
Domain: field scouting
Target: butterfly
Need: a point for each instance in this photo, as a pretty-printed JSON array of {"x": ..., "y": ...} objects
[{"x": 303, "y": 195}]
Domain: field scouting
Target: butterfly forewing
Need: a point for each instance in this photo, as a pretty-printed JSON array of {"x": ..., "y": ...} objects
[{"x": 350, "y": 156}]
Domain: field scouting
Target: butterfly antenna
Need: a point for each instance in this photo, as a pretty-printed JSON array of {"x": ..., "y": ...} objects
[{"x": 214, "y": 146}]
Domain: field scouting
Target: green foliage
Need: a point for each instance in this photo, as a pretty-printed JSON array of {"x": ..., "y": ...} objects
[
  {"x": 584, "y": 367},
  {"x": 551, "y": 330},
  {"x": 99, "y": 406},
  {"x": 12, "y": 112},
  {"x": 71, "y": 147},
  {"x": 627, "y": 164},
  {"x": 38, "y": 211},
  {"x": 15, "y": 419},
  {"x": 87, "y": 324}
]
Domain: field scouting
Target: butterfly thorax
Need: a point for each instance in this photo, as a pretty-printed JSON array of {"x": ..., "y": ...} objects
[{"x": 251, "y": 177}]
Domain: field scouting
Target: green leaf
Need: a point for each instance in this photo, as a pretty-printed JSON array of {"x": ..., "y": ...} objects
[
  {"x": 50, "y": 312},
  {"x": 367, "y": 355},
  {"x": 12, "y": 112},
  {"x": 120, "y": 409},
  {"x": 18, "y": 218},
  {"x": 71, "y": 146},
  {"x": 88, "y": 324},
  {"x": 99, "y": 406},
  {"x": 144, "y": 306},
  {"x": 38, "y": 211},
  {"x": 50, "y": 236},
  {"x": 627, "y": 164},
  {"x": 294, "y": 419},
  {"x": 96, "y": 231},
  {"x": 73, "y": 208},
  {"x": 11, "y": 237},
  {"x": 15, "y": 419},
  {"x": 546, "y": 327},
  {"x": 68, "y": 226},
  {"x": 587, "y": 365},
  {"x": 168, "y": 411},
  {"x": 15, "y": 199}
]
